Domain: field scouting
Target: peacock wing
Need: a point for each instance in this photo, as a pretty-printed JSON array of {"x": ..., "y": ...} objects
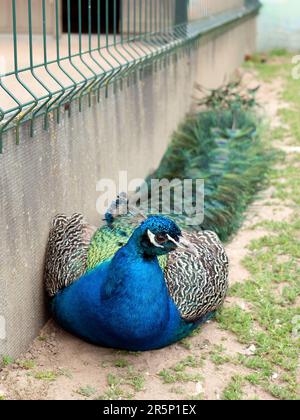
[
  {"x": 66, "y": 253},
  {"x": 198, "y": 283}
]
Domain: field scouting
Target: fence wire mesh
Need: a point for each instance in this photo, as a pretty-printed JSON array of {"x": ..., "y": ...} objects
[{"x": 55, "y": 52}]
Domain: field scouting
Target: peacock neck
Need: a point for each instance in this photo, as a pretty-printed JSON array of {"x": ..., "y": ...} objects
[{"x": 133, "y": 273}]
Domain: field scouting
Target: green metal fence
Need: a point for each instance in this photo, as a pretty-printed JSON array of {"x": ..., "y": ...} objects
[{"x": 96, "y": 44}]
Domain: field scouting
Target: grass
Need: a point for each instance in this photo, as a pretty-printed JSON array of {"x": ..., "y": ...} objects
[
  {"x": 135, "y": 379},
  {"x": 168, "y": 376},
  {"x": 121, "y": 363},
  {"x": 218, "y": 357},
  {"x": 7, "y": 360},
  {"x": 26, "y": 364},
  {"x": 123, "y": 386},
  {"x": 87, "y": 391},
  {"x": 233, "y": 390},
  {"x": 178, "y": 374},
  {"x": 273, "y": 287},
  {"x": 178, "y": 390},
  {"x": 45, "y": 375}
]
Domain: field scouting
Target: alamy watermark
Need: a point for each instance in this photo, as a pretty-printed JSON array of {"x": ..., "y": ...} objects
[
  {"x": 296, "y": 68},
  {"x": 296, "y": 327},
  {"x": 2, "y": 328},
  {"x": 158, "y": 196}
]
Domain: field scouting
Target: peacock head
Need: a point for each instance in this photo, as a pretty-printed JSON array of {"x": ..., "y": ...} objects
[{"x": 159, "y": 235}]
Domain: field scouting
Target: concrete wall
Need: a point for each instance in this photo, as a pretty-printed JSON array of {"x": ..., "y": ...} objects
[
  {"x": 57, "y": 171},
  {"x": 22, "y": 16},
  {"x": 204, "y": 8},
  {"x": 279, "y": 25}
]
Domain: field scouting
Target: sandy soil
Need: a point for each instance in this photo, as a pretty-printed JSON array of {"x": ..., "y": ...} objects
[{"x": 77, "y": 365}]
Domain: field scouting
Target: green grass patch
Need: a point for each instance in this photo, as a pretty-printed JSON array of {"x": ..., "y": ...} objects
[
  {"x": 26, "y": 364},
  {"x": 7, "y": 360},
  {"x": 49, "y": 375},
  {"x": 121, "y": 363},
  {"x": 125, "y": 385},
  {"x": 86, "y": 391},
  {"x": 234, "y": 390},
  {"x": 218, "y": 356},
  {"x": 178, "y": 374}
]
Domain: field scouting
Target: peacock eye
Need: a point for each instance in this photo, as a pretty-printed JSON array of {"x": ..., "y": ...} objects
[{"x": 160, "y": 239}]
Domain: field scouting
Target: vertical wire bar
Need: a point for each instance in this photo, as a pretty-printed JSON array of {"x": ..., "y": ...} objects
[
  {"x": 114, "y": 74},
  {"x": 57, "y": 30},
  {"x": 137, "y": 37},
  {"x": 50, "y": 105},
  {"x": 143, "y": 35},
  {"x": 89, "y": 85},
  {"x": 151, "y": 16},
  {"x": 161, "y": 31},
  {"x": 80, "y": 43},
  {"x": 84, "y": 78},
  {"x": 131, "y": 63},
  {"x": 155, "y": 12},
  {"x": 106, "y": 34},
  {"x": 135, "y": 31},
  {"x": 164, "y": 27},
  {"x": 152, "y": 29},
  {"x": 1, "y": 119},
  {"x": 9, "y": 120},
  {"x": 96, "y": 82},
  {"x": 169, "y": 36},
  {"x": 131, "y": 39},
  {"x": 30, "y": 40},
  {"x": 16, "y": 72},
  {"x": 140, "y": 37},
  {"x": 156, "y": 30},
  {"x": 111, "y": 72},
  {"x": 115, "y": 28},
  {"x": 115, "y": 71}
]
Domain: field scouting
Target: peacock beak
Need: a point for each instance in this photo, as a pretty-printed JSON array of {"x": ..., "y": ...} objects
[{"x": 184, "y": 245}]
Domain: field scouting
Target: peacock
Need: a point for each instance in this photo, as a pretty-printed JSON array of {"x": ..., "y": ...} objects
[
  {"x": 133, "y": 287},
  {"x": 144, "y": 283}
]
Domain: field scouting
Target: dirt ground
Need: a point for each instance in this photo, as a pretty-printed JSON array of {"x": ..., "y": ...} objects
[{"x": 60, "y": 366}]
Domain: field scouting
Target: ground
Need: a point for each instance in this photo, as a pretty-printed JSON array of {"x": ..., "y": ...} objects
[{"x": 252, "y": 350}]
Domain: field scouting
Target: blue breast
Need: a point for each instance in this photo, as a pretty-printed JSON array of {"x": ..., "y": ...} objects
[{"x": 123, "y": 303}]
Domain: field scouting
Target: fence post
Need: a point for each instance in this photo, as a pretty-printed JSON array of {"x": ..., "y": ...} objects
[{"x": 181, "y": 12}]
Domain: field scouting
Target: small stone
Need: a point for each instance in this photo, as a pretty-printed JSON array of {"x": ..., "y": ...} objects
[
  {"x": 242, "y": 305},
  {"x": 250, "y": 351},
  {"x": 199, "y": 388}
]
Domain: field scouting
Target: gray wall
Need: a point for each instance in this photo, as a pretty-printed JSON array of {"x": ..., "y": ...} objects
[{"x": 57, "y": 171}]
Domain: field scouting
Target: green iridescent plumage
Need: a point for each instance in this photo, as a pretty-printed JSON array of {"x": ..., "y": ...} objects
[
  {"x": 220, "y": 145},
  {"x": 106, "y": 242},
  {"x": 225, "y": 150}
]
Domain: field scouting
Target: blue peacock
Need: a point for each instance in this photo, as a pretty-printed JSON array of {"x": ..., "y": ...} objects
[
  {"x": 133, "y": 286},
  {"x": 144, "y": 284}
]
